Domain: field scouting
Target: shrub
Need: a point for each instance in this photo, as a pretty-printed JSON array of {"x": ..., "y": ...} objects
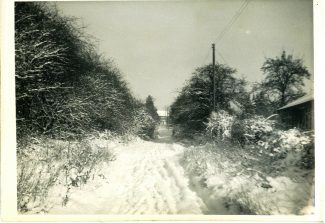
[
  {"x": 220, "y": 124},
  {"x": 251, "y": 130},
  {"x": 48, "y": 52},
  {"x": 262, "y": 138},
  {"x": 291, "y": 147},
  {"x": 63, "y": 87},
  {"x": 232, "y": 181},
  {"x": 43, "y": 163},
  {"x": 143, "y": 124},
  {"x": 224, "y": 126}
]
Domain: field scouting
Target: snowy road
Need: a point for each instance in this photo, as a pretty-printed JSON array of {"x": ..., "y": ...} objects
[{"x": 145, "y": 178}]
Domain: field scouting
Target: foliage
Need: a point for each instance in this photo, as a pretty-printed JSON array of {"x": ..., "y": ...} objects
[
  {"x": 255, "y": 128},
  {"x": 194, "y": 104},
  {"x": 64, "y": 92},
  {"x": 262, "y": 136},
  {"x": 226, "y": 127},
  {"x": 48, "y": 52},
  {"x": 234, "y": 181},
  {"x": 143, "y": 124},
  {"x": 151, "y": 109},
  {"x": 262, "y": 103},
  {"x": 43, "y": 163},
  {"x": 284, "y": 78},
  {"x": 288, "y": 148},
  {"x": 63, "y": 87},
  {"x": 220, "y": 124}
]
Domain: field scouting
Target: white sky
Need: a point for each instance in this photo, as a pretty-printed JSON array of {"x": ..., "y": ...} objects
[{"x": 157, "y": 45}]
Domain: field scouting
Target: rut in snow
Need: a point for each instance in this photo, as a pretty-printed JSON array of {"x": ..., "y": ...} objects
[{"x": 146, "y": 178}]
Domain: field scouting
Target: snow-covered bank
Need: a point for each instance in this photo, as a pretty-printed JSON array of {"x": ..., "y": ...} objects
[
  {"x": 228, "y": 185},
  {"x": 48, "y": 169}
]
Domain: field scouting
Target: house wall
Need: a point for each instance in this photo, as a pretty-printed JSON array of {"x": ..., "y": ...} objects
[
  {"x": 163, "y": 120},
  {"x": 299, "y": 116}
]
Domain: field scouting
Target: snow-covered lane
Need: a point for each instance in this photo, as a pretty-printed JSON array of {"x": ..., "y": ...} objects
[{"x": 145, "y": 178}]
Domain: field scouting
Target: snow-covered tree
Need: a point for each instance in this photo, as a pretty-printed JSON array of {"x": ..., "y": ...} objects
[
  {"x": 194, "y": 104},
  {"x": 284, "y": 78},
  {"x": 63, "y": 86},
  {"x": 151, "y": 108}
]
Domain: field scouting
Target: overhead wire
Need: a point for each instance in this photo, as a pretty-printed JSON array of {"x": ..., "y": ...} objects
[
  {"x": 224, "y": 60},
  {"x": 207, "y": 56},
  {"x": 229, "y": 25},
  {"x": 232, "y": 21}
]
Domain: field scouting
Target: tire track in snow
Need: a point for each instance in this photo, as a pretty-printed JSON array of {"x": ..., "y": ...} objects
[{"x": 146, "y": 178}]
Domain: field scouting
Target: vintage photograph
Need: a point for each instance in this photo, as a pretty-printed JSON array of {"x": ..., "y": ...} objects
[{"x": 165, "y": 107}]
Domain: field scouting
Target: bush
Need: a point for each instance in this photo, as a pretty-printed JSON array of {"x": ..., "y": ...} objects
[
  {"x": 262, "y": 138},
  {"x": 48, "y": 52},
  {"x": 291, "y": 147},
  {"x": 64, "y": 88},
  {"x": 44, "y": 163},
  {"x": 143, "y": 124},
  {"x": 251, "y": 130},
  {"x": 232, "y": 181},
  {"x": 224, "y": 126},
  {"x": 220, "y": 124}
]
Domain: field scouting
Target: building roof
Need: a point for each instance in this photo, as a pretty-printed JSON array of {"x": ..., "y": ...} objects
[
  {"x": 162, "y": 113},
  {"x": 306, "y": 98}
]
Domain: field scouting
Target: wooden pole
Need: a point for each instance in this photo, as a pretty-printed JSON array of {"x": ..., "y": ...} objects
[{"x": 214, "y": 76}]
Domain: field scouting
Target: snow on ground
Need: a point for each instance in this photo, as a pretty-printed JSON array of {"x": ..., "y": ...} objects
[
  {"x": 145, "y": 178},
  {"x": 163, "y": 177},
  {"x": 231, "y": 188}
]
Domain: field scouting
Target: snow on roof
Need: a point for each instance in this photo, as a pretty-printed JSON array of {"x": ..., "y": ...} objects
[
  {"x": 306, "y": 98},
  {"x": 162, "y": 113}
]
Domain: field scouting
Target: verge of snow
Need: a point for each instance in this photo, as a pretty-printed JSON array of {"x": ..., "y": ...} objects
[{"x": 222, "y": 183}]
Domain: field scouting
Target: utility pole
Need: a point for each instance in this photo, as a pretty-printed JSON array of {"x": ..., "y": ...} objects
[{"x": 214, "y": 76}]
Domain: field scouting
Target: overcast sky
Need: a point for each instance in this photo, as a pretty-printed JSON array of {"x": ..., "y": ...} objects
[{"x": 157, "y": 45}]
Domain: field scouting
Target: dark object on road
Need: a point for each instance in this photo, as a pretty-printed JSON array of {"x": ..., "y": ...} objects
[{"x": 266, "y": 185}]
